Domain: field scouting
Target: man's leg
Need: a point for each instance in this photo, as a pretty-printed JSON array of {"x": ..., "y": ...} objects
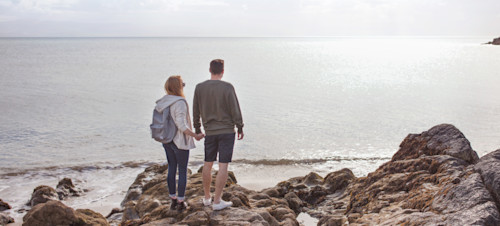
[
  {"x": 207, "y": 178},
  {"x": 226, "y": 146},
  {"x": 211, "y": 145},
  {"x": 220, "y": 181}
]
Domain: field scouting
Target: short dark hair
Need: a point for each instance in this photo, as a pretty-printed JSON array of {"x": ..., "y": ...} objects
[{"x": 216, "y": 66}]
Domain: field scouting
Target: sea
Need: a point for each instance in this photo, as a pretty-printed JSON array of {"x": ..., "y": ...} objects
[{"x": 81, "y": 107}]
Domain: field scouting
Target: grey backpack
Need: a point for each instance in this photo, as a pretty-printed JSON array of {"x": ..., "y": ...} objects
[{"x": 163, "y": 128}]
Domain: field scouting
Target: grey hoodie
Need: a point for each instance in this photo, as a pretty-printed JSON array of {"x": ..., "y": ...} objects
[
  {"x": 180, "y": 113},
  {"x": 166, "y": 101}
]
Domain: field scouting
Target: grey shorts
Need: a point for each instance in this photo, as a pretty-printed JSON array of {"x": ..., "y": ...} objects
[{"x": 223, "y": 144}]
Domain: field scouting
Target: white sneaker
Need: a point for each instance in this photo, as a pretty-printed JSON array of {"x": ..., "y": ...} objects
[
  {"x": 222, "y": 204},
  {"x": 206, "y": 202}
]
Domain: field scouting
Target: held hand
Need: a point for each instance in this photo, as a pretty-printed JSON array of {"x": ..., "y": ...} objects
[
  {"x": 199, "y": 136},
  {"x": 240, "y": 136}
]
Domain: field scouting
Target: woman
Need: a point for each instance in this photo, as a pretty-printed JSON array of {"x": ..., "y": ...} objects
[{"x": 178, "y": 150}]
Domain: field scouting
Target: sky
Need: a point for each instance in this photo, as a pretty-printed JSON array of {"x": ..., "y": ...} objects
[{"x": 247, "y": 18}]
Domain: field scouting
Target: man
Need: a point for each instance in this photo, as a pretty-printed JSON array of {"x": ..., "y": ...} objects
[{"x": 216, "y": 103}]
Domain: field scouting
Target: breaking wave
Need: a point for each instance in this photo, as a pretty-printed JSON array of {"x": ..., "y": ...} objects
[
  {"x": 277, "y": 162},
  {"x": 58, "y": 170}
]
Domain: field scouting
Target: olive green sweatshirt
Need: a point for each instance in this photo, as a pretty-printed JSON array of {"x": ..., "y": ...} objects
[{"x": 216, "y": 103}]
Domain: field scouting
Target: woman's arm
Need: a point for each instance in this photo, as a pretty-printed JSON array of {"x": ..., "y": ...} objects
[
  {"x": 179, "y": 116},
  {"x": 198, "y": 136}
]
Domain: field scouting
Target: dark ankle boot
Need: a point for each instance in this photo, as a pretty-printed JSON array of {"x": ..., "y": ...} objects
[
  {"x": 173, "y": 205},
  {"x": 181, "y": 206}
]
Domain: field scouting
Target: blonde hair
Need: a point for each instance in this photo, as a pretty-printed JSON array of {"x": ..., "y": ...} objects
[{"x": 174, "y": 86}]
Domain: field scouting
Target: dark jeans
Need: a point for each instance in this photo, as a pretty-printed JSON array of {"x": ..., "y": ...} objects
[{"x": 176, "y": 157}]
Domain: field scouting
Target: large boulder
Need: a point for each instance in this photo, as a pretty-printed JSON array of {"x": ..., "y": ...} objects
[
  {"x": 489, "y": 169},
  {"x": 42, "y": 194},
  {"x": 430, "y": 180},
  {"x": 56, "y": 213},
  {"x": 466, "y": 203},
  {"x": 338, "y": 180},
  {"x": 444, "y": 139}
]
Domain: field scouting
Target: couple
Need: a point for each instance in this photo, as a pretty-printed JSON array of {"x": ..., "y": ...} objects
[{"x": 216, "y": 103}]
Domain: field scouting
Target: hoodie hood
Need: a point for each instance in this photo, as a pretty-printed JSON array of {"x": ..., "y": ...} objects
[{"x": 166, "y": 101}]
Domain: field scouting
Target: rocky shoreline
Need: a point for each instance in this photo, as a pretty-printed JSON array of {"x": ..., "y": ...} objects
[{"x": 435, "y": 178}]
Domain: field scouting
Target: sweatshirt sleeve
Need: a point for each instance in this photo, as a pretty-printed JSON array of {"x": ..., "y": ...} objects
[
  {"x": 235, "y": 109},
  {"x": 179, "y": 110},
  {"x": 196, "y": 112}
]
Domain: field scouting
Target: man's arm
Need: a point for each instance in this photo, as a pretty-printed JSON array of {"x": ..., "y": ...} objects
[
  {"x": 196, "y": 112},
  {"x": 234, "y": 106}
]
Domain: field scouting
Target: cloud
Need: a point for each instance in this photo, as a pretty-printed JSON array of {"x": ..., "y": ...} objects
[
  {"x": 55, "y": 6},
  {"x": 248, "y": 17},
  {"x": 6, "y": 18}
]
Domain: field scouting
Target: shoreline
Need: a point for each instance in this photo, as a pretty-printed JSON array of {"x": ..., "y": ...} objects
[
  {"x": 434, "y": 177},
  {"x": 251, "y": 176}
]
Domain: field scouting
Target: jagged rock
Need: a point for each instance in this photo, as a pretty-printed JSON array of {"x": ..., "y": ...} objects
[
  {"x": 272, "y": 192},
  {"x": 162, "y": 222},
  {"x": 312, "y": 179},
  {"x": 338, "y": 180},
  {"x": 147, "y": 202},
  {"x": 239, "y": 199},
  {"x": 115, "y": 216},
  {"x": 196, "y": 218},
  {"x": 315, "y": 195},
  {"x": 129, "y": 211},
  {"x": 235, "y": 216},
  {"x": 431, "y": 179},
  {"x": 495, "y": 41},
  {"x": 5, "y": 219},
  {"x": 268, "y": 217},
  {"x": 489, "y": 168},
  {"x": 4, "y": 205},
  {"x": 42, "y": 194},
  {"x": 114, "y": 211},
  {"x": 444, "y": 139},
  {"x": 144, "y": 180},
  {"x": 313, "y": 189},
  {"x": 56, "y": 213},
  {"x": 351, "y": 218},
  {"x": 332, "y": 221},
  {"x": 281, "y": 213},
  {"x": 294, "y": 202},
  {"x": 259, "y": 196},
  {"x": 435, "y": 178},
  {"x": 65, "y": 188},
  {"x": 468, "y": 203}
]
